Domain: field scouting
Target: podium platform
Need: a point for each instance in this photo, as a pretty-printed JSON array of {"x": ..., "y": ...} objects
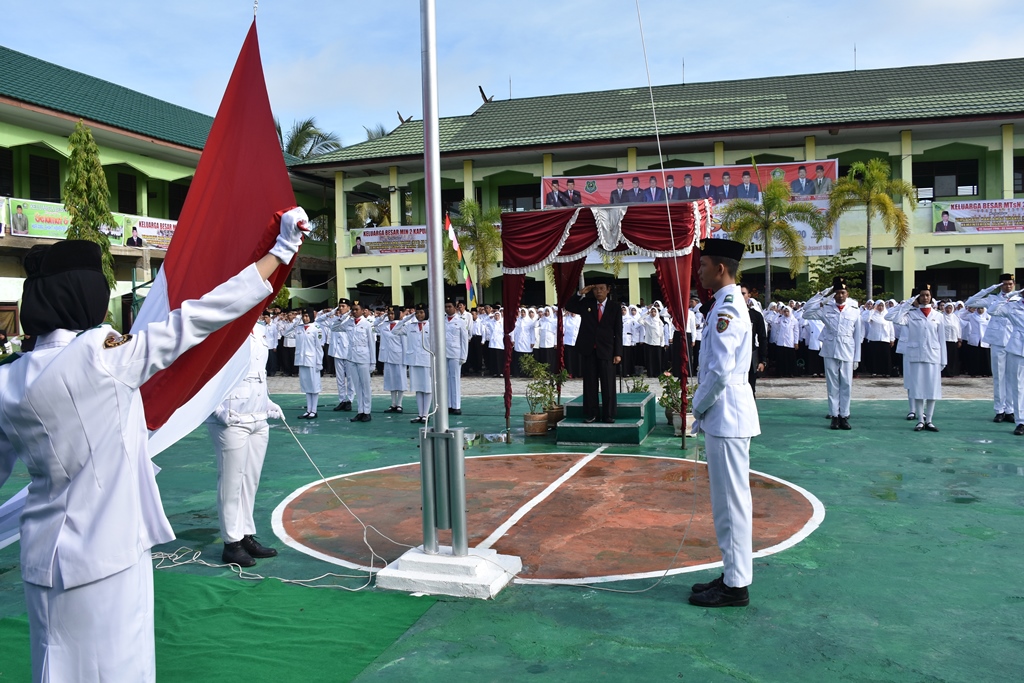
[{"x": 634, "y": 420}]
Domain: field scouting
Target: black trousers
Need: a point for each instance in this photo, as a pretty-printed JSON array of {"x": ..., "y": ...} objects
[
  {"x": 598, "y": 371},
  {"x": 952, "y": 360},
  {"x": 474, "y": 358},
  {"x": 878, "y": 354},
  {"x": 289, "y": 361},
  {"x": 328, "y": 362},
  {"x": 786, "y": 358},
  {"x": 272, "y": 362}
]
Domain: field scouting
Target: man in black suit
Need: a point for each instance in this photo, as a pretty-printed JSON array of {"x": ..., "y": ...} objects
[
  {"x": 759, "y": 340},
  {"x": 945, "y": 225},
  {"x": 726, "y": 191},
  {"x": 688, "y": 192},
  {"x": 359, "y": 247},
  {"x": 707, "y": 190},
  {"x": 654, "y": 193},
  {"x": 571, "y": 196},
  {"x": 635, "y": 195},
  {"x": 134, "y": 240},
  {"x": 802, "y": 186},
  {"x": 747, "y": 190},
  {"x": 555, "y": 198},
  {"x": 599, "y": 344},
  {"x": 619, "y": 195},
  {"x": 671, "y": 191}
]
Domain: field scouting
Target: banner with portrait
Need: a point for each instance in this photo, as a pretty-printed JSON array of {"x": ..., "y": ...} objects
[
  {"x": 807, "y": 180},
  {"x": 827, "y": 246},
  {"x": 51, "y": 220},
  {"x": 4, "y": 222},
  {"x": 154, "y": 233},
  {"x": 389, "y": 239},
  {"x": 997, "y": 215}
]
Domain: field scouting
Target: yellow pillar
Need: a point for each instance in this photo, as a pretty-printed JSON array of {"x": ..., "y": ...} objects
[
  {"x": 810, "y": 148},
  {"x": 550, "y": 296},
  {"x": 397, "y": 298},
  {"x": 467, "y": 180},
  {"x": 633, "y": 272},
  {"x": 340, "y": 225},
  {"x": 719, "y": 153},
  {"x": 1007, "y": 163},
  {"x": 549, "y": 165},
  {"x": 906, "y": 167},
  {"x": 396, "y": 196},
  {"x": 631, "y": 159},
  {"x": 909, "y": 268}
]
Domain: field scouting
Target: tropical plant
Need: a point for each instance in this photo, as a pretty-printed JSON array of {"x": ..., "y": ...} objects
[
  {"x": 305, "y": 139},
  {"x": 822, "y": 271},
  {"x": 283, "y": 299},
  {"x": 87, "y": 197},
  {"x": 870, "y": 185},
  {"x": 773, "y": 219},
  {"x": 637, "y": 385},
  {"x": 671, "y": 392},
  {"x": 376, "y": 132},
  {"x": 480, "y": 241},
  {"x": 540, "y": 391},
  {"x": 557, "y": 380}
]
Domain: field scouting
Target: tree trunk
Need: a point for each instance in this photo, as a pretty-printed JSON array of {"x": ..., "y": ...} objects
[
  {"x": 869, "y": 279},
  {"x": 767, "y": 271}
]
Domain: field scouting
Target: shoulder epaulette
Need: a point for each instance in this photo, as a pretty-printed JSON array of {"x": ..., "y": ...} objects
[{"x": 10, "y": 358}]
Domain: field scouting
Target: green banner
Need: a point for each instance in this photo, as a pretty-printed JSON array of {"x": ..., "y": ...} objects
[{"x": 28, "y": 218}]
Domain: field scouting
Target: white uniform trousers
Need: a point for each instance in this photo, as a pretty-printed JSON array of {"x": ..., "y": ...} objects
[
  {"x": 240, "y": 449},
  {"x": 838, "y": 383},
  {"x": 309, "y": 380},
  {"x": 102, "y": 631},
  {"x": 454, "y": 383},
  {"x": 345, "y": 388},
  {"x": 1014, "y": 378},
  {"x": 1000, "y": 381},
  {"x": 359, "y": 376},
  {"x": 731, "y": 506}
]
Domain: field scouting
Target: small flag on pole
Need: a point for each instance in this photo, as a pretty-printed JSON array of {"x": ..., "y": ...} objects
[{"x": 470, "y": 291}]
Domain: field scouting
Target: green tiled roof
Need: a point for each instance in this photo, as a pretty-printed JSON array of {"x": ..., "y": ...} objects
[
  {"x": 835, "y": 99},
  {"x": 54, "y": 87}
]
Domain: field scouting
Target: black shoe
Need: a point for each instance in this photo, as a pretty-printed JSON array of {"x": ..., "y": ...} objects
[
  {"x": 721, "y": 596},
  {"x": 305, "y": 415},
  {"x": 1009, "y": 418},
  {"x": 339, "y": 407},
  {"x": 346, "y": 406},
  {"x": 366, "y": 417},
  {"x": 835, "y": 423},
  {"x": 588, "y": 420},
  {"x": 455, "y": 411},
  {"x": 608, "y": 420},
  {"x": 830, "y": 417},
  {"x": 256, "y": 549},
  {"x": 931, "y": 428},
  {"x": 701, "y": 587},
  {"x": 1019, "y": 430},
  {"x": 844, "y": 423},
  {"x": 393, "y": 409},
  {"x": 999, "y": 417},
  {"x": 919, "y": 427},
  {"x": 418, "y": 420},
  {"x": 234, "y": 553},
  {"x": 311, "y": 416},
  {"x": 911, "y": 416},
  {"x": 357, "y": 418},
  {"x": 398, "y": 409}
]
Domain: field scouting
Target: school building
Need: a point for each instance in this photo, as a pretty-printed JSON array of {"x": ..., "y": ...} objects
[{"x": 956, "y": 131}]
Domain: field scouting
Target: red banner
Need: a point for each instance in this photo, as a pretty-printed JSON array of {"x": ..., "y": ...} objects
[{"x": 807, "y": 179}]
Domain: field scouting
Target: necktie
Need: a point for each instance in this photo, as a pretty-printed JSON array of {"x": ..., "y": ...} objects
[
  {"x": 600, "y": 312},
  {"x": 392, "y": 326},
  {"x": 421, "y": 326}
]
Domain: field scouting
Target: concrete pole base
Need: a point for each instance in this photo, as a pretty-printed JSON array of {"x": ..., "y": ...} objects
[{"x": 481, "y": 574}]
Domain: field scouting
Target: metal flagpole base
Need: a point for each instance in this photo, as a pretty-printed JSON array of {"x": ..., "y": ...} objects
[{"x": 481, "y": 574}]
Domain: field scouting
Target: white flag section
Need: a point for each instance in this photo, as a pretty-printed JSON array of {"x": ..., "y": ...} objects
[{"x": 181, "y": 423}]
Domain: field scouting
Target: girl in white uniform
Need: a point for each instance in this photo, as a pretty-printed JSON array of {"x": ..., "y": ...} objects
[
  {"x": 392, "y": 354},
  {"x": 924, "y": 350},
  {"x": 309, "y": 359},
  {"x": 416, "y": 330}
]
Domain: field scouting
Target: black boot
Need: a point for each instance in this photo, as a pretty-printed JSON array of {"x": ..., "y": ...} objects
[
  {"x": 701, "y": 587},
  {"x": 844, "y": 423},
  {"x": 835, "y": 423},
  {"x": 1019, "y": 430},
  {"x": 255, "y": 549},
  {"x": 234, "y": 553},
  {"x": 721, "y": 596}
]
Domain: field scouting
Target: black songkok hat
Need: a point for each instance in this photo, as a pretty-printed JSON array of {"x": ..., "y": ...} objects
[
  {"x": 347, "y": 302},
  {"x": 1005, "y": 276},
  {"x": 723, "y": 249},
  {"x": 838, "y": 284}
]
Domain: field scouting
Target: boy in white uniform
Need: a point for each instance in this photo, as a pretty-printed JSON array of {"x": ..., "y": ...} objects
[
  {"x": 456, "y": 347},
  {"x": 840, "y": 346}
]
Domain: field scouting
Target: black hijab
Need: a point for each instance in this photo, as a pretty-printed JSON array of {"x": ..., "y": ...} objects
[{"x": 65, "y": 287}]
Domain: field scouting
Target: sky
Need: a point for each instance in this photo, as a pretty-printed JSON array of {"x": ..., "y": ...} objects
[{"x": 355, "y": 63}]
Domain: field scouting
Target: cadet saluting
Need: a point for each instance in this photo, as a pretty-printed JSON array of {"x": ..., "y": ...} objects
[
  {"x": 724, "y": 410},
  {"x": 840, "y": 346}
]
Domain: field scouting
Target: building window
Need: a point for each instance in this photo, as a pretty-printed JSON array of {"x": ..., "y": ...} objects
[
  {"x": 43, "y": 179},
  {"x": 946, "y": 178},
  {"x": 127, "y": 193},
  {"x": 6, "y": 172},
  {"x": 1018, "y": 174},
  {"x": 519, "y": 197},
  {"x": 9, "y": 321},
  {"x": 176, "y": 194},
  {"x": 450, "y": 200}
]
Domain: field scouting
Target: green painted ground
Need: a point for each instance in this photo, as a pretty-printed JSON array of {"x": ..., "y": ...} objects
[{"x": 915, "y": 575}]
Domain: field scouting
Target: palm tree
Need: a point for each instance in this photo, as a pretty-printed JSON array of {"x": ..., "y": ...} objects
[
  {"x": 305, "y": 139},
  {"x": 376, "y": 132},
  {"x": 773, "y": 218},
  {"x": 870, "y": 185},
  {"x": 480, "y": 241}
]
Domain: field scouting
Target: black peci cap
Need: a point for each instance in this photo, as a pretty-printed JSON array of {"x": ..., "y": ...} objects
[
  {"x": 838, "y": 284},
  {"x": 723, "y": 249}
]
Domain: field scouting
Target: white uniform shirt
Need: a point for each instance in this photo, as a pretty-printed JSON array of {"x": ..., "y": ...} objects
[
  {"x": 1013, "y": 313},
  {"x": 842, "y": 333},
  {"x": 456, "y": 339},
  {"x": 952, "y": 327},
  {"x": 924, "y": 341},
  {"x": 362, "y": 345},
  {"x": 417, "y": 341},
  {"x": 337, "y": 339},
  {"x": 997, "y": 332},
  {"x": 309, "y": 345},
  {"x": 724, "y": 402},
  {"x": 249, "y": 400},
  {"x": 71, "y": 410},
  {"x": 392, "y": 346},
  {"x": 879, "y": 329}
]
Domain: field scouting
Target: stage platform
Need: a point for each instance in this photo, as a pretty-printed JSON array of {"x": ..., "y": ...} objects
[{"x": 634, "y": 420}]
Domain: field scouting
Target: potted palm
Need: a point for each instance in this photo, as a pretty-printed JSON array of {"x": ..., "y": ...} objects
[
  {"x": 671, "y": 400},
  {"x": 539, "y": 395},
  {"x": 555, "y": 409}
]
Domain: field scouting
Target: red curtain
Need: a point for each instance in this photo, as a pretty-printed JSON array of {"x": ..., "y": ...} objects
[
  {"x": 511, "y": 294},
  {"x": 567, "y": 278},
  {"x": 225, "y": 224}
]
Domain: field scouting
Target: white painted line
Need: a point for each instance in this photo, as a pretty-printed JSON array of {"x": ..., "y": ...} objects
[{"x": 537, "y": 500}]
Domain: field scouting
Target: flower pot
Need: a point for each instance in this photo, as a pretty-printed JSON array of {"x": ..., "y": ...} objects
[
  {"x": 555, "y": 415},
  {"x": 677, "y": 424},
  {"x": 535, "y": 424}
]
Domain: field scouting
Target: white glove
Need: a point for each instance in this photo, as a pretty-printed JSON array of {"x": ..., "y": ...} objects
[
  {"x": 294, "y": 228},
  {"x": 856, "y": 365},
  {"x": 695, "y": 427},
  {"x": 825, "y": 292},
  {"x": 274, "y": 411}
]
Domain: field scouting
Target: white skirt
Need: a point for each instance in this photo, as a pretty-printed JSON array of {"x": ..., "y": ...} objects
[
  {"x": 923, "y": 380},
  {"x": 419, "y": 378},
  {"x": 395, "y": 378},
  {"x": 102, "y": 631},
  {"x": 309, "y": 380}
]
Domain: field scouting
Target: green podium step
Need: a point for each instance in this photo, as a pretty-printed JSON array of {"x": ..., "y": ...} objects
[{"x": 634, "y": 420}]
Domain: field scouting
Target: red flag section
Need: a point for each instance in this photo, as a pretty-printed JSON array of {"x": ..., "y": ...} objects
[{"x": 226, "y": 223}]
